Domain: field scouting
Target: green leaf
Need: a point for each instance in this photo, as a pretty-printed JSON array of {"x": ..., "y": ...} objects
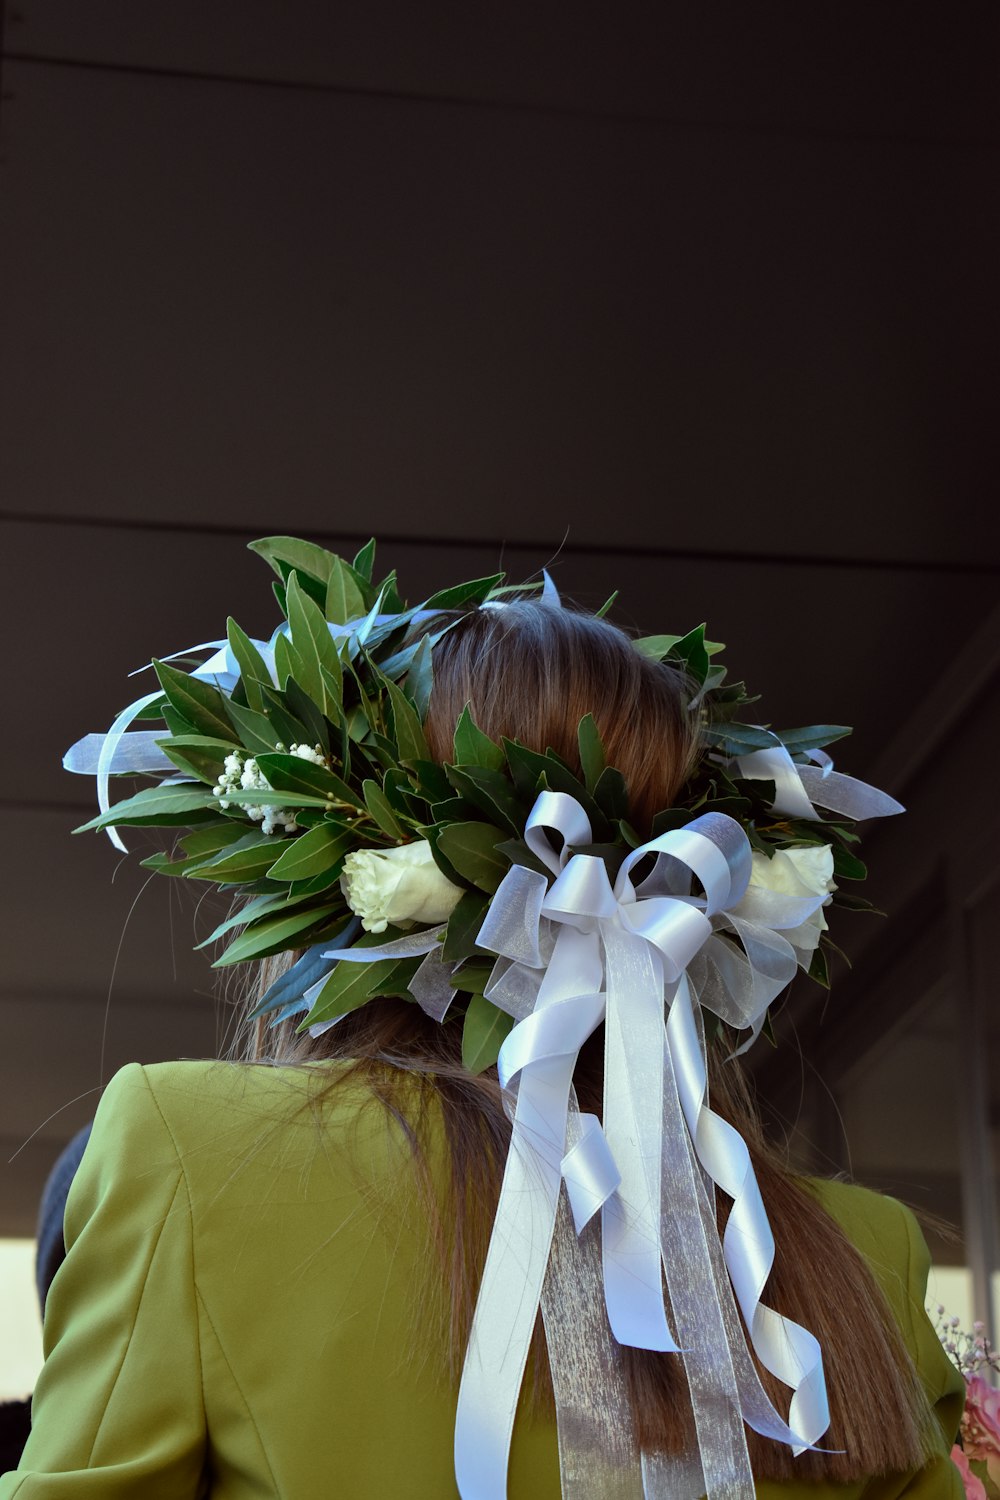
[
  {"x": 692, "y": 651},
  {"x": 483, "y": 1034},
  {"x": 157, "y": 805},
  {"x": 365, "y": 561},
  {"x": 819, "y": 969},
  {"x": 527, "y": 768},
  {"x": 292, "y": 774},
  {"x": 736, "y": 739},
  {"x": 656, "y": 646},
  {"x": 611, "y": 795},
  {"x": 175, "y": 722},
  {"x": 472, "y": 978},
  {"x": 475, "y": 591},
  {"x": 471, "y": 849},
  {"x": 250, "y": 858},
  {"x": 197, "y": 755},
  {"x": 591, "y": 751},
  {"x": 305, "y": 556},
  {"x": 452, "y": 810},
  {"x": 432, "y": 784},
  {"x": 253, "y": 670},
  {"x": 196, "y": 847},
  {"x": 714, "y": 678},
  {"x": 247, "y": 796},
  {"x": 420, "y": 677},
  {"x": 256, "y": 732},
  {"x": 312, "y": 853},
  {"x": 491, "y": 793},
  {"x": 252, "y": 911},
  {"x": 473, "y": 747},
  {"x": 607, "y": 605},
  {"x": 289, "y": 729},
  {"x": 286, "y": 660},
  {"x": 273, "y": 934},
  {"x": 313, "y": 720},
  {"x": 814, "y": 737},
  {"x": 201, "y": 704},
  {"x": 849, "y": 902},
  {"x": 399, "y": 794},
  {"x": 406, "y": 727},
  {"x": 344, "y": 598},
  {"x": 518, "y": 853},
  {"x": 350, "y": 985},
  {"x": 463, "y": 925},
  {"x": 318, "y": 658},
  {"x": 381, "y": 811},
  {"x": 847, "y": 866},
  {"x": 152, "y": 710}
]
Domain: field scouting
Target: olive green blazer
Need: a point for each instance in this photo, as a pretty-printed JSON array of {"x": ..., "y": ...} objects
[{"x": 241, "y": 1310}]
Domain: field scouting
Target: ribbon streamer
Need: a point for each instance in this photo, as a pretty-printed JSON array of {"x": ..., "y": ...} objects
[
  {"x": 797, "y": 788},
  {"x": 573, "y": 950},
  {"x": 637, "y": 940}
]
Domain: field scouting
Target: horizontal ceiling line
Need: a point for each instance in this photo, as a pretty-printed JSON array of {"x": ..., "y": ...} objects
[
  {"x": 184, "y": 995},
  {"x": 555, "y": 548},
  {"x": 506, "y": 106}
]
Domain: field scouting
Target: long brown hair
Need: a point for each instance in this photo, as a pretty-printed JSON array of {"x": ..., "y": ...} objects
[{"x": 531, "y": 672}]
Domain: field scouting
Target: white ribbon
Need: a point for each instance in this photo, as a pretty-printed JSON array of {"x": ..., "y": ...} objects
[
  {"x": 573, "y": 950},
  {"x": 625, "y": 943},
  {"x": 796, "y": 788}
]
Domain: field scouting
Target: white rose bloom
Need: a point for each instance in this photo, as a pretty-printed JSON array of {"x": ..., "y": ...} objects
[
  {"x": 397, "y": 885},
  {"x": 803, "y": 871}
]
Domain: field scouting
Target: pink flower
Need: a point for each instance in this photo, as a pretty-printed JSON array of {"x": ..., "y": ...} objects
[
  {"x": 981, "y": 1425},
  {"x": 973, "y": 1486}
]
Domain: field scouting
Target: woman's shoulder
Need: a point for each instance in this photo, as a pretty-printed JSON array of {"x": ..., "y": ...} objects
[
  {"x": 886, "y": 1233},
  {"x": 889, "y": 1237},
  {"x": 878, "y": 1225},
  {"x": 175, "y": 1090},
  {"x": 218, "y": 1119}
]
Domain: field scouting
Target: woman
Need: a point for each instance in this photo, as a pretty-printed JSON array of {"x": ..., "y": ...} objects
[{"x": 274, "y": 1270}]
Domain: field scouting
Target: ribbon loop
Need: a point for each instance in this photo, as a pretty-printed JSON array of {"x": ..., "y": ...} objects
[
  {"x": 559, "y": 813},
  {"x": 797, "y": 788}
]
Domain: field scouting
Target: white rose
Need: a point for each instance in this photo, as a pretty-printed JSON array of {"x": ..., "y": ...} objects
[
  {"x": 803, "y": 871},
  {"x": 397, "y": 885}
]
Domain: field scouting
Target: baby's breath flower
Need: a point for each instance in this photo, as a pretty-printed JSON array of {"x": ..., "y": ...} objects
[
  {"x": 312, "y": 753},
  {"x": 241, "y": 772}
]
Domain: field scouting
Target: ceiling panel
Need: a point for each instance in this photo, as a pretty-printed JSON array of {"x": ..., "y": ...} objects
[
  {"x": 371, "y": 314},
  {"x": 783, "y": 65}
]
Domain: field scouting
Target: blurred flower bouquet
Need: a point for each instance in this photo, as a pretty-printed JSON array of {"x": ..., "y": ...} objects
[{"x": 977, "y": 1453}]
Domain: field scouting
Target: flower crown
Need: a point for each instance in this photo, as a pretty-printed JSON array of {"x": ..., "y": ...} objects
[
  {"x": 301, "y": 768},
  {"x": 507, "y": 890}
]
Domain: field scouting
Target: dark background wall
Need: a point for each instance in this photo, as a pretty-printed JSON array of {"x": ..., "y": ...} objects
[{"x": 695, "y": 301}]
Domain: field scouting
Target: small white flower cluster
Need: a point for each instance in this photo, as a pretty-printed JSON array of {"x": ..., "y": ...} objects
[
  {"x": 241, "y": 772},
  {"x": 311, "y": 753}
]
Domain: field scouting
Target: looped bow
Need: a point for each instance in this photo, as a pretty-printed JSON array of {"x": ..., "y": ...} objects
[{"x": 574, "y": 952}]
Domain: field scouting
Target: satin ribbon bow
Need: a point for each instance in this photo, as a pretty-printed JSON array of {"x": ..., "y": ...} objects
[{"x": 572, "y": 953}]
